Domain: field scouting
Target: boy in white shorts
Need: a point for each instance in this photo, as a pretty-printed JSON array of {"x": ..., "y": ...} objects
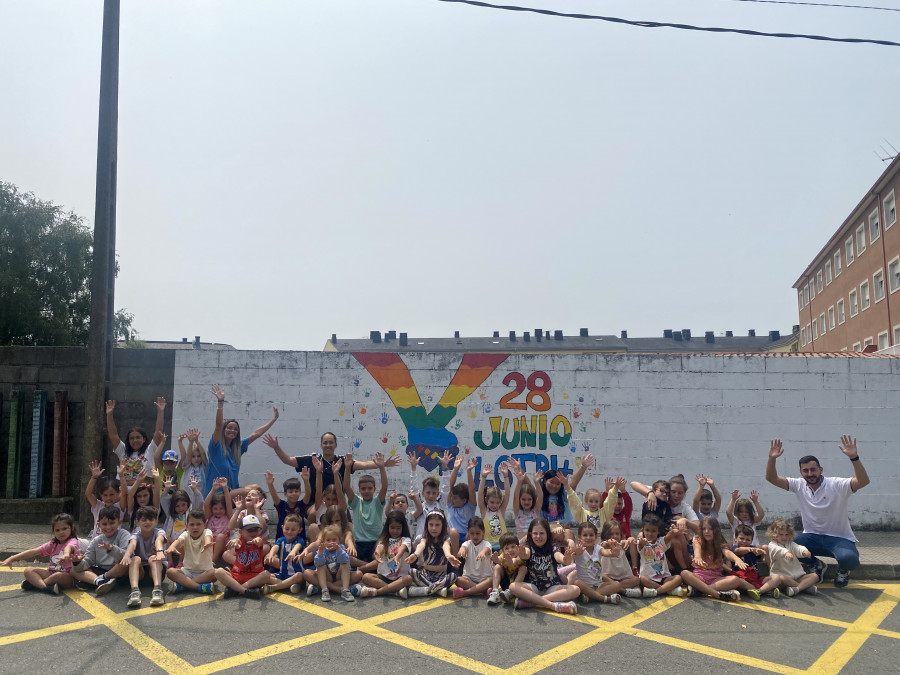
[{"x": 195, "y": 546}]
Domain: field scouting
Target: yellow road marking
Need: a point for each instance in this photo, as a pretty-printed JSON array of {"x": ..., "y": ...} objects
[{"x": 45, "y": 632}]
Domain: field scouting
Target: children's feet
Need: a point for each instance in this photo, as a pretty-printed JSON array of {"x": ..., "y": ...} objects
[
  {"x": 819, "y": 567},
  {"x": 312, "y": 590},
  {"x": 105, "y": 586},
  {"x": 267, "y": 588},
  {"x": 612, "y": 599},
  {"x": 812, "y": 590},
  {"x": 296, "y": 588},
  {"x": 652, "y": 593},
  {"x": 403, "y": 593},
  {"x": 681, "y": 591},
  {"x": 156, "y": 597},
  {"x": 347, "y": 596},
  {"x": 584, "y": 599},
  {"x": 521, "y": 604},
  {"x": 753, "y": 593},
  {"x": 28, "y": 586},
  {"x": 506, "y": 596},
  {"x": 842, "y": 578},
  {"x": 206, "y": 589},
  {"x": 253, "y": 593},
  {"x": 458, "y": 593},
  {"x": 565, "y": 607},
  {"x": 633, "y": 592},
  {"x": 792, "y": 591},
  {"x": 368, "y": 592},
  {"x": 230, "y": 592},
  {"x": 134, "y": 600},
  {"x": 326, "y": 595},
  {"x": 173, "y": 588},
  {"x": 729, "y": 596},
  {"x": 52, "y": 589},
  {"x": 355, "y": 590},
  {"x": 443, "y": 592},
  {"x": 494, "y": 597},
  {"x": 776, "y": 593}
]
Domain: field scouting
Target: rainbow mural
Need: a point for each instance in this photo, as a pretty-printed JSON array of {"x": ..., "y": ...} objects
[{"x": 427, "y": 430}]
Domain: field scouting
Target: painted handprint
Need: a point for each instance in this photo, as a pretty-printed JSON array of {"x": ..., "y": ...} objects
[
  {"x": 402, "y": 440},
  {"x": 356, "y": 443},
  {"x": 576, "y": 413},
  {"x": 583, "y": 427},
  {"x": 458, "y": 424},
  {"x": 573, "y": 447},
  {"x": 384, "y": 418},
  {"x": 472, "y": 413},
  {"x": 565, "y": 395},
  {"x": 385, "y": 437},
  {"x": 361, "y": 425},
  {"x": 482, "y": 395},
  {"x": 586, "y": 446},
  {"x": 596, "y": 413},
  {"x": 487, "y": 408},
  {"x": 367, "y": 393},
  {"x": 355, "y": 381},
  {"x": 342, "y": 411},
  {"x": 362, "y": 409}
]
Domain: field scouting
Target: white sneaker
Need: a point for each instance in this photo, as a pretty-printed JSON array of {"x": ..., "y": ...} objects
[
  {"x": 403, "y": 592},
  {"x": 650, "y": 593},
  {"x": 296, "y": 588},
  {"x": 812, "y": 590},
  {"x": 791, "y": 591},
  {"x": 633, "y": 592},
  {"x": 494, "y": 597}
]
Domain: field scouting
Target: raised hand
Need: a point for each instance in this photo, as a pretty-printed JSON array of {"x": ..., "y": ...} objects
[
  {"x": 96, "y": 471},
  {"x": 413, "y": 459},
  {"x": 336, "y": 466},
  {"x": 471, "y": 464},
  {"x": 379, "y": 459},
  {"x": 218, "y": 392},
  {"x": 445, "y": 458},
  {"x": 457, "y": 465},
  {"x": 848, "y": 447},
  {"x": 735, "y": 494},
  {"x": 588, "y": 461},
  {"x": 709, "y": 481},
  {"x": 194, "y": 484},
  {"x": 754, "y": 496},
  {"x": 160, "y": 403},
  {"x": 537, "y": 476},
  {"x": 193, "y": 435},
  {"x": 304, "y": 473},
  {"x": 620, "y": 483},
  {"x": 110, "y": 406},
  {"x": 270, "y": 477},
  {"x": 348, "y": 459},
  {"x": 486, "y": 470},
  {"x": 155, "y": 473},
  {"x": 504, "y": 470},
  {"x": 271, "y": 441},
  {"x": 393, "y": 460},
  {"x": 274, "y": 412},
  {"x": 609, "y": 482},
  {"x": 701, "y": 479},
  {"x": 776, "y": 449},
  {"x": 316, "y": 462}
]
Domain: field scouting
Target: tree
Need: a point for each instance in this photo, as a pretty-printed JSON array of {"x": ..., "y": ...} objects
[{"x": 45, "y": 273}]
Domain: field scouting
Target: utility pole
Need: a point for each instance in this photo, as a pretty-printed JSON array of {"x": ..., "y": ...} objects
[{"x": 103, "y": 279}]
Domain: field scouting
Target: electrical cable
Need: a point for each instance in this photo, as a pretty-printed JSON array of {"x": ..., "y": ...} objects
[
  {"x": 679, "y": 26},
  {"x": 822, "y": 4}
]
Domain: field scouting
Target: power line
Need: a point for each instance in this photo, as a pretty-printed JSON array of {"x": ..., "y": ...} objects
[
  {"x": 680, "y": 26},
  {"x": 822, "y": 4}
]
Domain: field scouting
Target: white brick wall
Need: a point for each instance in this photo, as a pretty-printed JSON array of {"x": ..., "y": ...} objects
[{"x": 659, "y": 414}]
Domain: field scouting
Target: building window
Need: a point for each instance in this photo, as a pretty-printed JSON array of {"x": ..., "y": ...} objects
[
  {"x": 864, "y": 295},
  {"x": 837, "y": 263},
  {"x": 890, "y": 213},
  {"x": 831, "y": 318},
  {"x": 868, "y": 341},
  {"x": 808, "y": 334},
  {"x": 822, "y": 323},
  {"x": 819, "y": 281},
  {"x": 883, "y": 341},
  {"x": 860, "y": 240},
  {"x": 840, "y": 311},
  {"x": 848, "y": 247},
  {"x": 812, "y": 290},
  {"x": 805, "y": 295},
  {"x": 857, "y": 347},
  {"x": 897, "y": 334},
  {"x": 800, "y": 299},
  {"x": 815, "y": 327},
  {"x": 878, "y": 285},
  {"x": 894, "y": 274},
  {"x": 874, "y": 226},
  {"x": 854, "y": 304},
  {"x": 802, "y": 337},
  {"x": 827, "y": 272}
]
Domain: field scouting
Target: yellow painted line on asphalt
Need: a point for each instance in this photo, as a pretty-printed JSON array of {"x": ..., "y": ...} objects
[
  {"x": 433, "y": 651},
  {"x": 144, "y": 611},
  {"x": 759, "y": 607},
  {"x": 45, "y": 632},
  {"x": 143, "y": 643},
  {"x": 13, "y": 587},
  {"x": 847, "y": 645}
]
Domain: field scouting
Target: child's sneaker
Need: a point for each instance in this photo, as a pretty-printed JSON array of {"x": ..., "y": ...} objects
[
  {"x": 296, "y": 588},
  {"x": 173, "y": 588},
  {"x": 312, "y": 590},
  {"x": 584, "y": 599},
  {"x": 812, "y": 590},
  {"x": 494, "y": 597},
  {"x": 776, "y": 593},
  {"x": 819, "y": 567},
  {"x": 458, "y": 592},
  {"x": 729, "y": 596},
  {"x": 651, "y": 593},
  {"x": 355, "y": 590},
  {"x": 105, "y": 586},
  {"x": 753, "y": 593},
  {"x": 52, "y": 589},
  {"x": 506, "y": 596},
  {"x": 230, "y": 592},
  {"x": 326, "y": 595},
  {"x": 791, "y": 591},
  {"x": 403, "y": 592},
  {"x": 156, "y": 597},
  {"x": 612, "y": 598},
  {"x": 521, "y": 604},
  {"x": 633, "y": 592},
  {"x": 206, "y": 589},
  {"x": 368, "y": 592},
  {"x": 682, "y": 591},
  {"x": 443, "y": 592},
  {"x": 347, "y": 596},
  {"x": 134, "y": 600},
  {"x": 252, "y": 593},
  {"x": 565, "y": 607},
  {"x": 28, "y": 586}
]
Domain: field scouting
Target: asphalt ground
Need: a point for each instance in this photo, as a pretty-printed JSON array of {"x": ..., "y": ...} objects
[{"x": 852, "y": 630}]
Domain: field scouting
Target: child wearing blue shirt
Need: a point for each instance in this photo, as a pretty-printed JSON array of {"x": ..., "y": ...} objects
[{"x": 285, "y": 555}]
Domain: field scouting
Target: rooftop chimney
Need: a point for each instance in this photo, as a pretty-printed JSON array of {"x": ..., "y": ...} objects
[
  {"x": 184, "y": 341},
  {"x": 752, "y": 332},
  {"x": 686, "y": 333},
  {"x": 796, "y": 328},
  {"x": 710, "y": 337},
  {"x": 526, "y": 336},
  {"x": 334, "y": 338},
  {"x": 496, "y": 333},
  {"x": 667, "y": 333},
  {"x": 196, "y": 342},
  {"x": 456, "y": 334},
  {"x": 538, "y": 334},
  {"x": 512, "y": 336},
  {"x": 676, "y": 335},
  {"x": 375, "y": 336},
  {"x": 583, "y": 332},
  {"x": 402, "y": 339},
  {"x": 390, "y": 335},
  {"x": 774, "y": 335},
  {"x": 729, "y": 333},
  {"x": 624, "y": 334},
  {"x": 557, "y": 335}
]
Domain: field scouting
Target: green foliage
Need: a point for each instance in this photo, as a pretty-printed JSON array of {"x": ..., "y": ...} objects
[{"x": 45, "y": 273}]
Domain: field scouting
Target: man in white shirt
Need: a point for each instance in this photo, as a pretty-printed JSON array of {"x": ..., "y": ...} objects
[{"x": 823, "y": 508}]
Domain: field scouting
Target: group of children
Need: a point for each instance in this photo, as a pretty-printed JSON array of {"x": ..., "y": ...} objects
[{"x": 360, "y": 542}]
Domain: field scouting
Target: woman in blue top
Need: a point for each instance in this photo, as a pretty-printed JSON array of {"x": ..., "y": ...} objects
[{"x": 226, "y": 445}]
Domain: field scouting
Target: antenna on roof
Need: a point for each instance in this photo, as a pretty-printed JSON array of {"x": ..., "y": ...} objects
[
  {"x": 891, "y": 144},
  {"x": 888, "y": 157}
]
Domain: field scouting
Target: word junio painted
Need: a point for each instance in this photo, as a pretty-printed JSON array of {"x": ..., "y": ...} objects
[{"x": 527, "y": 432}]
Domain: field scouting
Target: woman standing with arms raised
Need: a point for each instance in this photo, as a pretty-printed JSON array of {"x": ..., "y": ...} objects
[{"x": 226, "y": 445}]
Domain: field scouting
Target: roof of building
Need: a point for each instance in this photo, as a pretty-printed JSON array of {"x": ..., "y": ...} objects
[{"x": 179, "y": 344}]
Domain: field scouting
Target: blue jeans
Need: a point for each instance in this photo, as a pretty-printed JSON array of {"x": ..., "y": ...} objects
[{"x": 842, "y": 550}]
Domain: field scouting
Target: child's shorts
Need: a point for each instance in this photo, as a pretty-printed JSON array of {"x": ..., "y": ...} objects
[
  {"x": 554, "y": 587},
  {"x": 708, "y": 576},
  {"x": 751, "y": 575},
  {"x": 191, "y": 574},
  {"x": 475, "y": 579},
  {"x": 243, "y": 577}
]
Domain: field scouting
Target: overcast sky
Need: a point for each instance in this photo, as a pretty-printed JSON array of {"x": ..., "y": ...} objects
[{"x": 289, "y": 170}]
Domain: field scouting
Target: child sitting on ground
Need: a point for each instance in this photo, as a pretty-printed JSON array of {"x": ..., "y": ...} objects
[
  {"x": 99, "y": 563},
  {"x": 195, "y": 549},
  {"x": 146, "y": 553},
  {"x": 506, "y": 567},
  {"x": 588, "y": 570},
  {"x": 432, "y": 553},
  {"x": 477, "y": 568},
  {"x": 650, "y": 548},
  {"x": 392, "y": 574},
  {"x": 333, "y": 565},
  {"x": 744, "y": 549},
  {"x": 247, "y": 574},
  {"x": 708, "y": 574},
  {"x": 783, "y": 564},
  {"x": 286, "y": 557},
  {"x": 60, "y": 549}
]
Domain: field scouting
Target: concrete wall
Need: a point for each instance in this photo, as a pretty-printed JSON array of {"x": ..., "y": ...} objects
[
  {"x": 138, "y": 377},
  {"x": 644, "y": 417}
]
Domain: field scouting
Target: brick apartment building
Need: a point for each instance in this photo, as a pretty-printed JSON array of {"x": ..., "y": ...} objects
[{"x": 848, "y": 295}]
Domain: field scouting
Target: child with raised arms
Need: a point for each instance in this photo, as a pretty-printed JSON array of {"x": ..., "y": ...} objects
[
  {"x": 391, "y": 550},
  {"x": 433, "y": 495},
  {"x": 142, "y": 493},
  {"x": 217, "y": 509},
  {"x": 99, "y": 563},
  {"x": 432, "y": 554},
  {"x": 506, "y": 567},
  {"x": 461, "y": 501},
  {"x": 596, "y": 508},
  {"x": 193, "y": 460},
  {"x": 195, "y": 549},
  {"x": 588, "y": 568},
  {"x": 537, "y": 580},
  {"x": 146, "y": 554},
  {"x": 650, "y": 548},
  {"x": 327, "y": 496},
  {"x": 784, "y": 565},
  {"x": 60, "y": 549},
  {"x": 109, "y": 492},
  {"x": 492, "y": 502},
  {"x": 478, "y": 568},
  {"x": 291, "y": 504},
  {"x": 708, "y": 575},
  {"x": 366, "y": 507},
  {"x": 136, "y": 451},
  {"x": 247, "y": 574},
  {"x": 527, "y": 501},
  {"x": 744, "y": 549},
  {"x": 743, "y": 511},
  {"x": 706, "y": 502},
  {"x": 286, "y": 556}
]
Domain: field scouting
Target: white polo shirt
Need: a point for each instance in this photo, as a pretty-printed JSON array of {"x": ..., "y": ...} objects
[{"x": 825, "y": 510}]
